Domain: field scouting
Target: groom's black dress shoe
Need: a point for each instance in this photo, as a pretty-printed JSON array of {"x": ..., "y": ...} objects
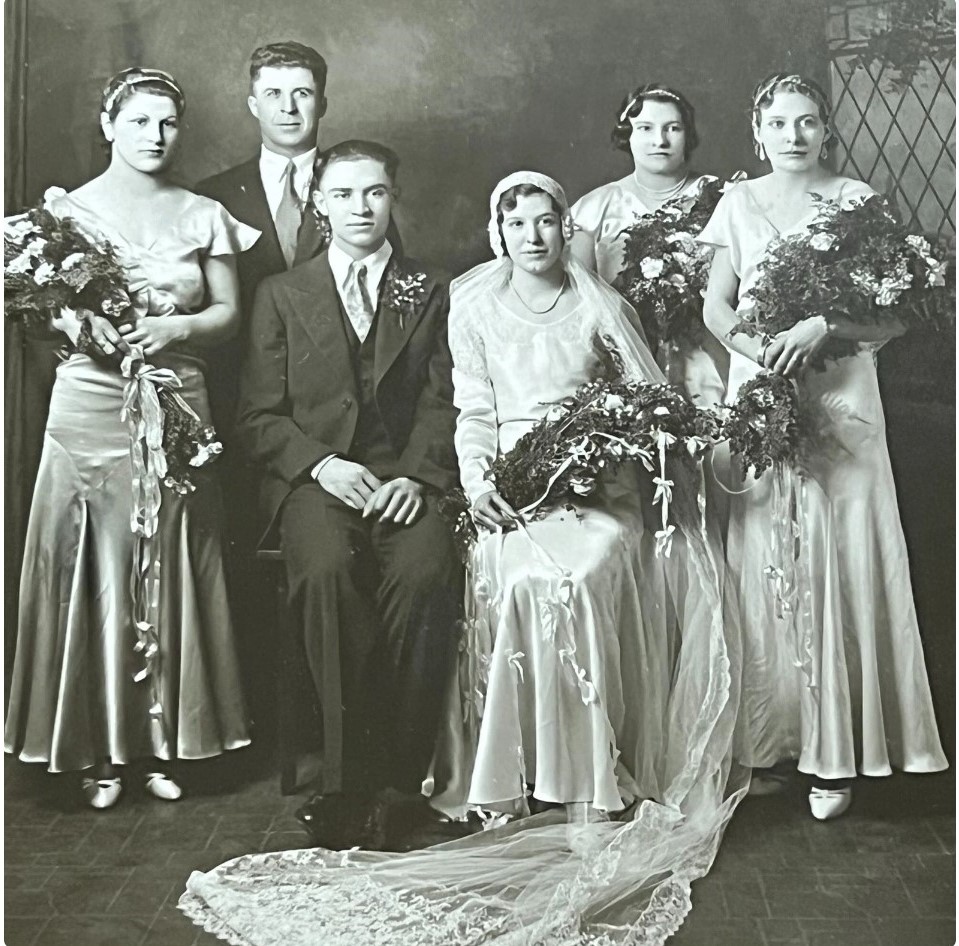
[{"x": 345, "y": 821}]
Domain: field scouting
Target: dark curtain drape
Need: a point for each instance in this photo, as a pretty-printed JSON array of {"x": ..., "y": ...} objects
[{"x": 28, "y": 365}]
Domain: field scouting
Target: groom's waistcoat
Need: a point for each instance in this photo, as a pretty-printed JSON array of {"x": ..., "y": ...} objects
[
  {"x": 371, "y": 444},
  {"x": 309, "y": 389}
]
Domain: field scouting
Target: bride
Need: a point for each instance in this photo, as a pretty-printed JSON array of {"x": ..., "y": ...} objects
[{"x": 597, "y": 674}]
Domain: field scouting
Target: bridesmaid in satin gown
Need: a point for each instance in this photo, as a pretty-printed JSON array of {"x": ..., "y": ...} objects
[
  {"x": 656, "y": 126},
  {"x": 74, "y": 702},
  {"x": 839, "y": 683}
]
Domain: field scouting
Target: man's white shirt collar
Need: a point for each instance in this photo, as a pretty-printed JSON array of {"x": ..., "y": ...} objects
[
  {"x": 375, "y": 263},
  {"x": 273, "y": 171}
]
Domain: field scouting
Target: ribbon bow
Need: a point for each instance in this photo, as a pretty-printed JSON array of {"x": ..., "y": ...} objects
[{"x": 144, "y": 416}]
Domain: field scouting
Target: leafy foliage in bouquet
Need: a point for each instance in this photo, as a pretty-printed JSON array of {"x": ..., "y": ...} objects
[
  {"x": 50, "y": 264},
  {"x": 856, "y": 261},
  {"x": 665, "y": 270},
  {"x": 187, "y": 442},
  {"x": 605, "y": 423},
  {"x": 764, "y": 426}
]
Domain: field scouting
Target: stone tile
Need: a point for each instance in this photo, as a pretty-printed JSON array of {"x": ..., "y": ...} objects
[
  {"x": 932, "y": 895},
  {"x": 746, "y": 898},
  {"x": 708, "y": 899},
  {"x": 917, "y": 932},
  {"x": 172, "y": 928},
  {"x": 868, "y": 896},
  {"x": 82, "y": 893},
  {"x": 781, "y": 932},
  {"x": 26, "y": 878},
  {"x": 20, "y": 931},
  {"x": 840, "y": 933},
  {"x": 98, "y": 930},
  {"x": 27, "y": 903},
  {"x": 285, "y": 841},
  {"x": 803, "y": 897},
  {"x": 142, "y": 897},
  {"x": 718, "y": 933}
]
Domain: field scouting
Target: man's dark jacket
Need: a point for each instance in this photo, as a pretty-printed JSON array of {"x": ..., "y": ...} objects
[{"x": 298, "y": 397}]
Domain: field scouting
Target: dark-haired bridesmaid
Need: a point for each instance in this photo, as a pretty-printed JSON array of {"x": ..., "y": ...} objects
[{"x": 656, "y": 125}]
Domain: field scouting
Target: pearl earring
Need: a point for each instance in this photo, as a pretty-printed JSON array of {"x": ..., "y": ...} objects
[{"x": 760, "y": 150}]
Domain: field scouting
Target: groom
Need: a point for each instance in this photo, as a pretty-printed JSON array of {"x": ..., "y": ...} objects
[{"x": 346, "y": 402}]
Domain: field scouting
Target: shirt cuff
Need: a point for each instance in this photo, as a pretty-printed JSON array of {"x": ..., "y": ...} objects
[{"x": 315, "y": 472}]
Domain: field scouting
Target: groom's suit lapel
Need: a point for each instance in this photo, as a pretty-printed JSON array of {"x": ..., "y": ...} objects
[
  {"x": 316, "y": 306},
  {"x": 395, "y": 322}
]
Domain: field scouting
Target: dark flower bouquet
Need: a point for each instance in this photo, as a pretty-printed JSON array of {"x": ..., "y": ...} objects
[
  {"x": 607, "y": 422},
  {"x": 51, "y": 265},
  {"x": 764, "y": 426},
  {"x": 665, "y": 270},
  {"x": 856, "y": 261}
]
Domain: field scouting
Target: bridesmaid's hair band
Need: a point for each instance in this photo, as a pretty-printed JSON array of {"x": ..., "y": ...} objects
[
  {"x": 765, "y": 91},
  {"x": 128, "y": 79},
  {"x": 623, "y": 129}
]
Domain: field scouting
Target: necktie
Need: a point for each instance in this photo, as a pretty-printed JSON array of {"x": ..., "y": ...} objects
[
  {"x": 359, "y": 308},
  {"x": 288, "y": 216}
]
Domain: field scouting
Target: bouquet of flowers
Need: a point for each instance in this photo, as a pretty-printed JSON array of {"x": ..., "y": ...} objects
[
  {"x": 764, "y": 426},
  {"x": 607, "y": 422},
  {"x": 50, "y": 265},
  {"x": 665, "y": 269},
  {"x": 856, "y": 261}
]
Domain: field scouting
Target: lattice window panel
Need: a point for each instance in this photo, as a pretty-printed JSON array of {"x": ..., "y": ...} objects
[{"x": 901, "y": 142}]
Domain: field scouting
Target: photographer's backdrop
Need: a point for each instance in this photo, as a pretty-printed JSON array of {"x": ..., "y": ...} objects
[{"x": 465, "y": 91}]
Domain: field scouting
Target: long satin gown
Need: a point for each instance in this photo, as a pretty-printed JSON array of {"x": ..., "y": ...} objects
[
  {"x": 603, "y": 214},
  {"x": 73, "y": 697},
  {"x": 571, "y": 627},
  {"x": 839, "y": 683}
]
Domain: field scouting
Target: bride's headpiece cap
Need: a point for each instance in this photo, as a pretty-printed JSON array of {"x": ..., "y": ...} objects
[
  {"x": 136, "y": 75},
  {"x": 536, "y": 179}
]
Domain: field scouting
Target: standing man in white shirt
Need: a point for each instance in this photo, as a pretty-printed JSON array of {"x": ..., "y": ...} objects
[
  {"x": 270, "y": 192},
  {"x": 346, "y": 400}
]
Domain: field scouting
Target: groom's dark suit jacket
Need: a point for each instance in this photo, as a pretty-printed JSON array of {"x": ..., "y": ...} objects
[{"x": 299, "y": 400}]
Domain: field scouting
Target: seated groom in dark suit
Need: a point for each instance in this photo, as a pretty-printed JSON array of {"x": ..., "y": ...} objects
[{"x": 346, "y": 401}]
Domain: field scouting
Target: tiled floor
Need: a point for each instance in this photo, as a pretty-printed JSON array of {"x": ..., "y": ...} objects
[{"x": 882, "y": 876}]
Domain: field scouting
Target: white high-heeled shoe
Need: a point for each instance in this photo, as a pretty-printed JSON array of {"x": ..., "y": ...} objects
[
  {"x": 162, "y": 786},
  {"x": 101, "y": 793},
  {"x": 828, "y": 803}
]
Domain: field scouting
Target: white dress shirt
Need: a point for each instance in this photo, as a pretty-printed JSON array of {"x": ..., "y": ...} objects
[
  {"x": 273, "y": 174},
  {"x": 340, "y": 263},
  {"x": 375, "y": 263}
]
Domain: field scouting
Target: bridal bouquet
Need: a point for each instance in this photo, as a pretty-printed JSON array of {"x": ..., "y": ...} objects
[
  {"x": 605, "y": 423},
  {"x": 857, "y": 261},
  {"x": 665, "y": 269},
  {"x": 51, "y": 265}
]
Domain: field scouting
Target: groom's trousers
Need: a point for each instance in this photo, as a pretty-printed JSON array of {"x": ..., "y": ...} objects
[{"x": 378, "y": 604}]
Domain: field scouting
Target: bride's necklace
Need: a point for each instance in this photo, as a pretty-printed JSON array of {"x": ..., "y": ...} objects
[
  {"x": 661, "y": 196},
  {"x": 529, "y": 308}
]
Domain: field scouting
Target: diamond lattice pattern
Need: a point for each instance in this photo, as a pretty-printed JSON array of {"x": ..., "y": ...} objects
[{"x": 902, "y": 143}]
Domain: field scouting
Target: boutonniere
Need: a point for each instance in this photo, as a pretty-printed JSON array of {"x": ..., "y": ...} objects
[{"x": 405, "y": 292}]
